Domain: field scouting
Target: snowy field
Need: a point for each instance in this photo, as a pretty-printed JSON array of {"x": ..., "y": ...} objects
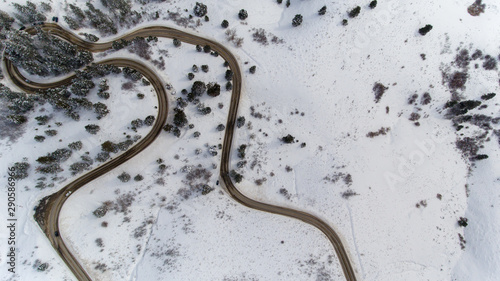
[{"x": 394, "y": 198}]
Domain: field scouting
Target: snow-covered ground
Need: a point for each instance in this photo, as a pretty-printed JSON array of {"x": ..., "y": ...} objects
[{"x": 409, "y": 186}]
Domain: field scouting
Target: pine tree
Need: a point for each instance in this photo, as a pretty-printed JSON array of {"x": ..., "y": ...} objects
[
  {"x": 213, "y": 89},
  {"x": 92, "y": 129},
  {"x": 322, "y": 11},
  {"x": 243, "y": 14},
  {"x": 200, "y": 9},
  {"x": 198, "y": 88},
  {"x": 6, "y": 21}
]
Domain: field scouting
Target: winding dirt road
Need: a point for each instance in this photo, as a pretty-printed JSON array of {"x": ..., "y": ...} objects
[{"x": 47, "y": 215}]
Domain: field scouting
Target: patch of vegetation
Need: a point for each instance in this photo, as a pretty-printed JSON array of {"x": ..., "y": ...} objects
[
  {"x": 379, "y": 90},
  {"x": 354, "y": 12},
  {"x": 424, "y": 30}
]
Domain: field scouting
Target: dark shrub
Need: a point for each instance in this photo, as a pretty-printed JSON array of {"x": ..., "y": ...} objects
[
  {"x": 92, "y": 129},
  {"x": 424, "y": 30},
  {"x": 354, "y": 12},
  {"x": 21, "y": 170},
  {"x": 458, "y": 80},
  {"x": 252, "y": 69},
  {"x": 463, "y": 222},
  {"x": 379, "y": 91},
  {"x": 236, "y": 176},
  {"x": 297, "y": 20},
  {"x": 463, "y": 107},
  {"x": 109, "y": 146},
  {"x": 229, "y": 75},
  {"x": 426, "y": 99},
  {"x": 124, "y": 177},
  {"x": 288, "y": 139},
  {"x": 322, "y": 11},
  {"x": 224, "y": 24},
  {"x": 213, "y": 89},
  {"x": 221, "y": 127},
  {"x": 488, "y": 96},
  {"x": 373, "y": 4},
  {"x": 490, "y": 63},
  {"x": 243, "y": 14},
  {"x": 198, "y": 88},
  {"x": 480, "y": 157}
]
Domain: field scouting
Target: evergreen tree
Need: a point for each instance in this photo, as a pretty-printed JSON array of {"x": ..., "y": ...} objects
[
  {"x": 6, "y": 21},
  {"x": 77, "y": 12},
  {"x": 77, "y": 145},
  {"x": 101, "y": 109},
  {"x": 39, "y": 138},
  {"x": 200, "y": 9},
  {"x": 213, "y": 89},
  {"x": 124, "y": 177},
  {"x": 297, "y": 20},
  {"x": 288, "y": 139},
  {"x": 44, "y": 54},
  {"x": 17, "y": 119},
  {"x": 424, "y": 30},
  {"x": 73, "y": 24},
  {"x": 99, "y": 20},
  {"x": 28, "y": 14},
  {"x": 180, "y": 119},
  {"x": 229, "y": 75},
  {"x": 21, "y": 170},
  {"x": 224, "y": 24},
  {"x": 149, "y": 120},
  {"x": 354, "y": 12},
  {"x": 198, "y": 88},
  {"x": 240, "y": 122},
  {"x": 92, "y": 129},
  {"x": 322, "y": 11},
  {"x": 243, "y": 14},
  {"x": 109, "y": 146}
]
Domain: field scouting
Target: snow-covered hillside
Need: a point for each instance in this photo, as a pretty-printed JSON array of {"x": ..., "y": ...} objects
[{"x": 380, "y": 153}]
